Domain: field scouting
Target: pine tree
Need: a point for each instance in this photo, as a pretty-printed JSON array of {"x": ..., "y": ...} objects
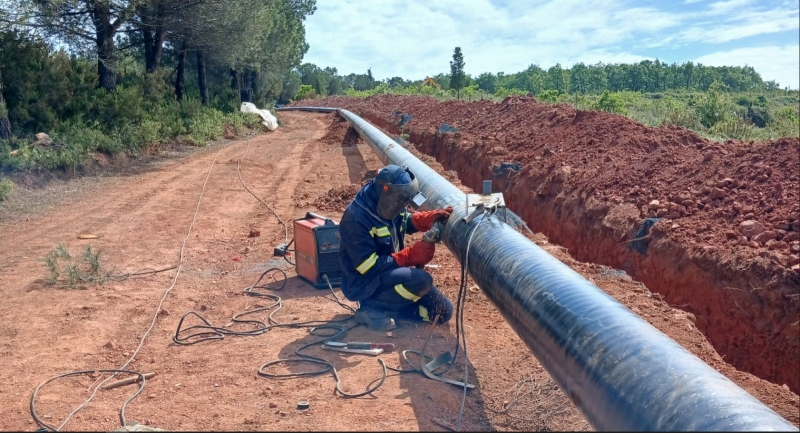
[{"x": 457, "y": 76}]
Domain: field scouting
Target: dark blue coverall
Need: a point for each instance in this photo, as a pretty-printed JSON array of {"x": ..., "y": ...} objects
[{"x": 370, "y": 274}]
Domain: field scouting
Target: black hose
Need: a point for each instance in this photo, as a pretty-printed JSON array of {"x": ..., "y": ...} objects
[
  {"x": 85, "y": 373},
  {"x": 207, "y": 331}
]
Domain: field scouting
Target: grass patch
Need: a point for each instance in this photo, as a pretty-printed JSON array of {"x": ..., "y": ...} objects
[
  {"x": 71, "y": 272},
  {"x": 6, "y": 186}
]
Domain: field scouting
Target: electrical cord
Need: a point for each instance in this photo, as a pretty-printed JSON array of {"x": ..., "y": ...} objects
[
  {"x": 149, "y": 329},
  {"x": 462, "y": 298},
  {"x": 327, "y": 329},
  {"x": 285, "y": 226},
  {"x": 460, "y": 334},
  {"x": 87, "y": 373},
  {"x": 285, "y": 257},
  {"x": 146, "y": 272}
]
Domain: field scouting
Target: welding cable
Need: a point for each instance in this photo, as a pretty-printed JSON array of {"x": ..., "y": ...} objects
[
  {"x": 460, "y": 336},
  {"x": 285, "y": 257},
  {"x": 460, "y": 312},
  {"x": 155, "y": 315},
  {"x": 85, "y": 373},
  {"x": 462, "y": 289},
  {"x": 206, "y": 331},
  {"x": 210, "y": 332},
  {"x": 146, "y": 272},
  {"x": 413, "y": 369},
  {"x": 328, "y": 367},
  {"x": 338, "y": 301},
  {"x": 239, "y": 173},
  {"x": 340, "y": 333},
  {"x": 271, "y": 209}
]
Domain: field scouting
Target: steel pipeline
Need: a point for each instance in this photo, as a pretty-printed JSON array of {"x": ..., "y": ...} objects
[{"x": 621, "y": 372}]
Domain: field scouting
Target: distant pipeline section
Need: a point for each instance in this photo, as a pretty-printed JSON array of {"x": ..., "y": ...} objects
[{"x": 619, "y": 371}]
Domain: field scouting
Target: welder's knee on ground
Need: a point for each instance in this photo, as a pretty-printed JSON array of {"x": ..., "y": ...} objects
[
  {"x": 438, "y": 304},
  {"x": 420, "y": 282}
]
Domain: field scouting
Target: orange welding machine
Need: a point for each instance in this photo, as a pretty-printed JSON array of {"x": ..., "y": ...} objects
[{"x": 316, "y": 246}]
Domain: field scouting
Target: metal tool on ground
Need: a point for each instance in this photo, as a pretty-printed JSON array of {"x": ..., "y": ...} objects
[
  {"x": 127, "y": 381},
  {"x": 442, "y": 360},
  {"x": 343, "y": 347},
  {"x": 389, "y": 347},
  {"x": 317, "y": 240}
]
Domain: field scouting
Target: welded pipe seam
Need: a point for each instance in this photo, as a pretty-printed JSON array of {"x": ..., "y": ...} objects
[{"x": 619, "y": 371}]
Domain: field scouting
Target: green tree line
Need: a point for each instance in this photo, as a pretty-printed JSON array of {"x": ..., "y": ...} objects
[
  {"x": 646, "y": 76},
  {"x": 717, "y": 102},
  {"x": 118, "y": 75}
]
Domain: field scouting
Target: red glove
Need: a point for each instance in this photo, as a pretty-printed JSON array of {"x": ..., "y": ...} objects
[
  {"x": 421, "y": 253},
  {"x": 423, "y": 221}
]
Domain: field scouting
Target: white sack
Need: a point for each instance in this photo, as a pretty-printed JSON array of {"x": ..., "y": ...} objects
[{"x": 270, "y": 121}]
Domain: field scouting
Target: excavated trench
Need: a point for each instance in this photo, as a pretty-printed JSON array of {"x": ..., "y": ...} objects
[{"x": 744, "y": 297}]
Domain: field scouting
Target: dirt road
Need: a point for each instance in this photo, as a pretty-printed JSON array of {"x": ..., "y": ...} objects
[{"x": 141, "y": 219}]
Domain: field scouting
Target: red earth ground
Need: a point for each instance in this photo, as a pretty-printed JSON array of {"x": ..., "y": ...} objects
[
  {"x": 726, "y": 247},
  {"x": 140, "y": 217}
]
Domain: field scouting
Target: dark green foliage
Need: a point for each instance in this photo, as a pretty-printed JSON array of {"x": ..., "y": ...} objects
[
  {"x": 611, "y": 103},
  {"x": 645, "y": 76},
  {"x": 70, "y": 272},
  {"x": 52, "y": 92},
  {"x": 457, "y": 77},
  {"x": 6, "y": 186}
]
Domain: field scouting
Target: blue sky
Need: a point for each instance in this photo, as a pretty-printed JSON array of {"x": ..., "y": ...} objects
[{"x": 415, "y": 38}]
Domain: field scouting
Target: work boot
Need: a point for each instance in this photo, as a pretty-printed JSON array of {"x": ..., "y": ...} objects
[{"x": 374, "y": 319}]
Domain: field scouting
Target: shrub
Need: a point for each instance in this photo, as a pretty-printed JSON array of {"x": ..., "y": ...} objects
[
  {"x": 611, "y": 103},
  {"x": 6, "y": 186},
  {"x": 713, "y": 106},
  {"x": 503, "y": 92},
  {"x": 548, "y": 96},
  {"x": 733, "y": 128},
  {"x": 63, "y": 268},
  {"x": 85, "y": 138},
  {"x": 306, "y": 92},
  {"x": 207, "y": 125}
]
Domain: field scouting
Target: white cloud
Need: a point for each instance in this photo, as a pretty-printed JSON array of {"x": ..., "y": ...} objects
[
  {"x": 724, "y": 7},
  {"x": 415, "y": 38},
  {"x": 773, "y": 63},
  {"x": 742, "y": 25}
]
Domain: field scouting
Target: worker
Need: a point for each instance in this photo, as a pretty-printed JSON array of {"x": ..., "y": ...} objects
[{"x": 378, "y": 271}]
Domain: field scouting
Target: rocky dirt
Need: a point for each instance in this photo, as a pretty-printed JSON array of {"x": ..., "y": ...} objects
[
  {"x": 140, "y": 218},
  {"x": 724, "y": 246},
  {"x": 337, "y": 199}
]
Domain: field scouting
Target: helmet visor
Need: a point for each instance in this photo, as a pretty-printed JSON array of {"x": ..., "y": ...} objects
[{"x": 395, "y": 197}]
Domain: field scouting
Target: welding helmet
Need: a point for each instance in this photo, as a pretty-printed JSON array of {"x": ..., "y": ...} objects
[{"x": 398, "y": 188}]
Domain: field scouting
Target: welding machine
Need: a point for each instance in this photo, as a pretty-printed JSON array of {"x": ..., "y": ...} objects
[{"x": 316, "y": 247}]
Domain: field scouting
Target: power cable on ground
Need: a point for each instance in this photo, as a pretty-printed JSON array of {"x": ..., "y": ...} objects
[
  {"x": 149, "y": 329},
  {"x": 327, "y": 329},
  {"x": 274, "y": 212}
]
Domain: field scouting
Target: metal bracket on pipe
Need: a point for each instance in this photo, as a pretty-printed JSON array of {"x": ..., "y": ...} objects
[{"x": 487, "y": 201}]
